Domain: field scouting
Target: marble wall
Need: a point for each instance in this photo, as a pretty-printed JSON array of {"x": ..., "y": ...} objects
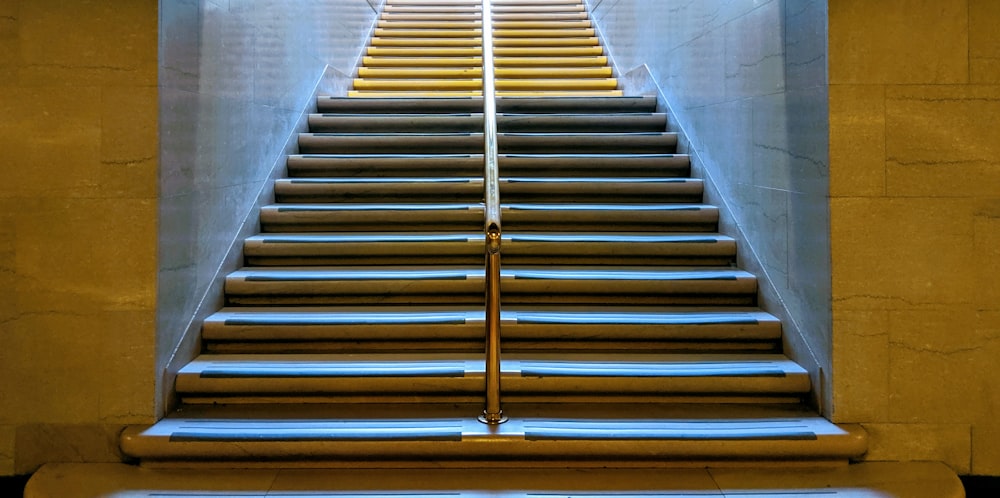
[
  {"x": 78, "y": 225},
  {"x": 746, "y": 81},
  {"x": 915, "y": 215},
  {"x": 235, "y": 79}
]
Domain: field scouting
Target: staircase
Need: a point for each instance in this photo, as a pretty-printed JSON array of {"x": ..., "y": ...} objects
[
  {"x": 354, "y": 334},
  {"x": 349, "y": 358}
]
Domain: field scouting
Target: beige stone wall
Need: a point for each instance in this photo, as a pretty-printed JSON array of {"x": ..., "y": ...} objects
[
  {"x": 915, "y": 227},
  {"x": 78, "y": 223}
]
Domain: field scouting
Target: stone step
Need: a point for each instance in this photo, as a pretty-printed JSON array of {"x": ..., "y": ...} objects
[
  {"x": 607, "y": 435},
  {"x": 524, "y": 328},
  {"x": 610, "y": 217},
  {"x": 616, "y": 143},
  {"x": 429, "y": 284},
  {"x": 396, "y": 123},
  {"x": 308, "y": 190},
  {"x": 473, "y": 122},
  {"x": 368, "y": 143},
  {"x": 303, "y": 249},
  {"x": 568, "y": 105},
  {"x": 384, "y": 165},
  {"x": 450, "y": 105},
  {"x": 467, "y": 165},
  {"x": 568, "y": 123},
  {"x": 449, "y": 377},
  {"x": 468, "y": 217},
  {"x": 548, "y": 42},
  {"x": 370, "y": 217}
]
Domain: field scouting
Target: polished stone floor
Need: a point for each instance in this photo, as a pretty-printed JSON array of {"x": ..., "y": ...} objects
[{"x": 868, "y": 480}]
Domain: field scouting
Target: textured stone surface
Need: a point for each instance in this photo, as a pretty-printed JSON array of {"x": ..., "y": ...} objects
[
  {"x": 903, "y": 42},
  {"x": 857, "y": 140},
  {"x": 78, "y": 257},
  {"x": 7, "y": 449},
  {"x": 941, "y": 141},
  {"x": 948, "y": 443},
  {"x": 42, "y": 443},
  {"x": 984, "y": 42},
  {"x": 914, "y": 205},
  {"x": 869, "y": 480},
  {"x": 863, "y": 374}
]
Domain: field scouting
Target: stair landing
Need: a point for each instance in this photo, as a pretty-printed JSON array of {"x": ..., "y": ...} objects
[{"x": 868, "y": 480}]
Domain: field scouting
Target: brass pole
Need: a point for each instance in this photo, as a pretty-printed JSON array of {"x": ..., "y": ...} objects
[{"x": 492, "y": 414}]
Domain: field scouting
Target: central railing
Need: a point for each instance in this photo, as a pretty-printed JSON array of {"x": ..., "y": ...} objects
[{"x": 492, "y": 414}]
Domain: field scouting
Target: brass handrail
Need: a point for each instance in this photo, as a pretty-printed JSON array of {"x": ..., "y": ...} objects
[{"x": 492, "y": 414}]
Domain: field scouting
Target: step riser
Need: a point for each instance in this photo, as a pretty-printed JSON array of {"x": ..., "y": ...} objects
[
  {"x": 471, "y": 190},
  {"x": 333, "y": 123},
  {"x": 310, "y": 143},
  {"x": 566, "y": 165},
  {"x": 581, "y": 123},
  {"x": 470, "y": 165},
  {"x": 375, "y": 165},
  {"x": 399, "y": 106},
  {"x": 663, "y": 143}
]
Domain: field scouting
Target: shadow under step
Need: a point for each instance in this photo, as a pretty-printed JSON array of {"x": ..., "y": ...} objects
[
  {"x": 456, "y": 284},
  {"x": 291, "y": 249},
  {"x": 454, "y": 377},
  {"x": 524, "y": 328},
  {"x": 609, "y": 435}
]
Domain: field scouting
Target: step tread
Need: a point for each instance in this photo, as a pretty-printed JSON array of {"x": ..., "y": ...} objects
[
  {"x": 515, "y": 364},
  {"x": 546, "y": 272},
  {"x": 400, "y": 105},
  {"x": 539, "y": 237},
  {"x": 520, "y": 323},
  {"x": 430, "y": 432}
]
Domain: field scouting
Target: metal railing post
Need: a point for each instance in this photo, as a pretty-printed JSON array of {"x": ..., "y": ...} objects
[{"x": 492, "y": 414}]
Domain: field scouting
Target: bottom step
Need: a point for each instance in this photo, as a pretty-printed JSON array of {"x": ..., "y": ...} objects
[
  {"x": 867, "y": 480},
  {"x": 448, "y": 435}
]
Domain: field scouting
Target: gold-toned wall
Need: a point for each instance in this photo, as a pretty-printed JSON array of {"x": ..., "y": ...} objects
[
  {"x": 78, "y": 224},
  {"x": 915, "y": 227}
]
